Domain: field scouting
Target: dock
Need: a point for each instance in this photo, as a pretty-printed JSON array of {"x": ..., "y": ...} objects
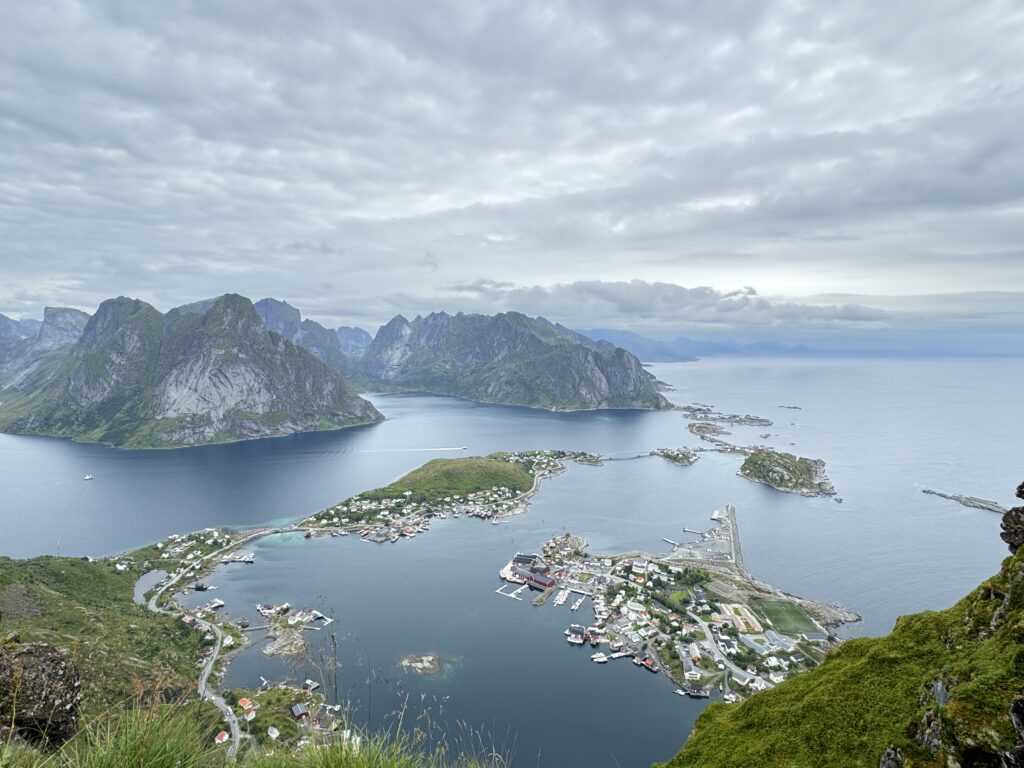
[{"x": 513, "y": 594}]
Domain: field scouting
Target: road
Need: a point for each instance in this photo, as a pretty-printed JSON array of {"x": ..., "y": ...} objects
[
  {"x": 206, "y": 692},
  {"x": 719, "y": 656}
]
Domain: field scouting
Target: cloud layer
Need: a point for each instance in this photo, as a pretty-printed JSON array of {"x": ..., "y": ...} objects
[{"x": 350, "y": 157}]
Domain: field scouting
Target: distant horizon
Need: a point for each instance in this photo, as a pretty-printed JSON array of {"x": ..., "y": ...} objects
[{"x": 887, "y": 333}]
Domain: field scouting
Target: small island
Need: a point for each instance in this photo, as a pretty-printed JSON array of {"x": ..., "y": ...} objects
[
  {"x": 788, "y": 473},
  {"x": 684, "y": 457}
]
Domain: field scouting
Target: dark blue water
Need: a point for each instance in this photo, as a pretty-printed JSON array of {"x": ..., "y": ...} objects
[{"x": 887, "y": 429}]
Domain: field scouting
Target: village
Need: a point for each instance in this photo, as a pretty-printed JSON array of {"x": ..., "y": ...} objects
[
  {"x": 693, "y": 614},
  {"x": 404, "y": 514},
  {"x": 704, "y": 630}
]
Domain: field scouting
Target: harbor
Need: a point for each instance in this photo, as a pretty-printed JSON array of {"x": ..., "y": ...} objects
[{"x": 670, "y": 615}]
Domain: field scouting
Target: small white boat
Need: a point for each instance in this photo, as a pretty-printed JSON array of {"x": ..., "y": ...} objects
[
  {"x": 575, "y": 639},
  {"x": 87, "y": 477},
  {"x": 680, "y": 692},
  {"x": 599, "y": 658}
]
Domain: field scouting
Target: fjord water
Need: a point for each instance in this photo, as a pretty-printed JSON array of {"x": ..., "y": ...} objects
[{"x": 886, "y": 428}]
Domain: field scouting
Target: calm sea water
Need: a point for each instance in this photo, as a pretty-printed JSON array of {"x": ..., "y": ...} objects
[{"x": 886, "y": 428}]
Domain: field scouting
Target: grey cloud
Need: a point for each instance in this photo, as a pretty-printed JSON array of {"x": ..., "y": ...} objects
[{"x": 184, "y": 149}]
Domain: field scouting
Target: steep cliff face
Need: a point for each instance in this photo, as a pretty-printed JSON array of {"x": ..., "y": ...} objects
[
  {"x": 506, "y": 358},
  {"x": 199, "y": 374},
  {"x": 284, "y": 319},
  {"x": 943, "y": 690},
  {"x": 60, "y": 329},
  {"x": 354, "y": 341}
]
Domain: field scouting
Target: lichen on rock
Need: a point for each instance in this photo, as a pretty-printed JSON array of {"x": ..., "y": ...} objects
[{"x": 40, "y": 693}]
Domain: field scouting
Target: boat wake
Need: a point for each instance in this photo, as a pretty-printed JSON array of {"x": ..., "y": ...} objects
[{"x": 411, "y": 450}]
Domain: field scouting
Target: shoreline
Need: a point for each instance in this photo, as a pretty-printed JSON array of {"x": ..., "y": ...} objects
[{"x": 737, "y": 578}]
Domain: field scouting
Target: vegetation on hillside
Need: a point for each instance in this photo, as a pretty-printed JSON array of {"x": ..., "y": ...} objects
[
  {"x": 451, "y": 477},
  {"x": 939, "y": 687},
  {"x": 87, "y": 610}
]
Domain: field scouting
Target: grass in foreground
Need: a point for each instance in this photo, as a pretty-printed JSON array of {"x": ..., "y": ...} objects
[{"x": 175, "y": 737}]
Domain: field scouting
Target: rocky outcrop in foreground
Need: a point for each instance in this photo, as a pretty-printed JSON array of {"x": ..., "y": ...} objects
[
  {"x": 1013, "y": 524},
  {"x": 40, "y": 693}
]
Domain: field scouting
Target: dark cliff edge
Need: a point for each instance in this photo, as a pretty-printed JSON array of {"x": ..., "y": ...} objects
[{"x": 944, "y": 688}]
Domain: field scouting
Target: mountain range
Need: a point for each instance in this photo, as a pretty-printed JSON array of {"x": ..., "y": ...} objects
[
  {"x": 206, "y": 372},
  {"x": 227, "y": 369}
]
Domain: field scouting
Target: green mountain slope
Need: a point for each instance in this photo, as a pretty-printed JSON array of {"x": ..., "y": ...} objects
[
  {"x": 137, "y": 378},
  {"x": 939, "y": 689},
  {"x": 86, "y": 609}
]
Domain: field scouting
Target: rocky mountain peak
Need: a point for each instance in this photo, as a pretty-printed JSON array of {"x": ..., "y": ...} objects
[
  {"x": 279, "y": 317},
  {"x": 353, "y": 341},
  {"x": 11, "y": 328},
  {"x": 61, "y": 328}
]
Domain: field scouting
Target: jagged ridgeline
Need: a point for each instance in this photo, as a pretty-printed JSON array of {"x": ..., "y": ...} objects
[
  {"x": 507, "y": 358},
  {"x": 207, "y": 372},
  {"x": 945, "y": 688}
]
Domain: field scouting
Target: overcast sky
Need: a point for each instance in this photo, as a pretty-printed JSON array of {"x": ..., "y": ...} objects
[{"x": 676, "y": 165}]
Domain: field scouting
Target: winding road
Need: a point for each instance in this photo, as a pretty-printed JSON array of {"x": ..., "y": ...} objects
[{"x": 206, "y": 691}]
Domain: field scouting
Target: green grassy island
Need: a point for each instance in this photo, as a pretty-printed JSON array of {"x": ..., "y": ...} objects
[{"x": 450, "y": 477}]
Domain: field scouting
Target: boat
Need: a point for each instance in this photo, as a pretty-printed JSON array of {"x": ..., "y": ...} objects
[
  {"x": 575, "y": 639},
  {"x": 599, "y": 658},
  {"x": 680, "y": 692},
  {"x": 697, "y": 693},
  {"x": 200, "y": 586},
  {"x": 308, "y": 534},
  {"x": 87, "y": 477},
  {"x": 310, "y": 685}
]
